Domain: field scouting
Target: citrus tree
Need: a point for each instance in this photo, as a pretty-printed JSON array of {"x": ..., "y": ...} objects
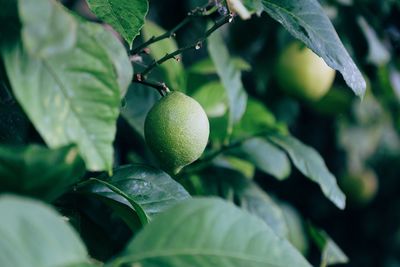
[{"x": 125, "y": 143}]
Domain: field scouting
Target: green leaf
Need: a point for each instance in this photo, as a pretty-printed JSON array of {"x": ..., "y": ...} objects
[
  {"x": 138, "y": 187},
  {"x": 259, "y": 203},
  {"x": 206, "y": 66},
  {"x": 125, "y": 16},
  {"x": 172, "y": 69},
  {"x": 47, "y": 28},
  {"x": 139, "y": 100},
  {"x": 70, "y": 97},
  {"x": 34, "y": 235},
  {"x": 116, "y": 53},
  {"x": 307, "y": 21},
  {"x": 296, "y": 232},
  {"x": 215, "y": 233},
  {"x": 266, "y": 156},
  {"x": 38, "y": 171},
  {"x": 212, "y": 98},
  {"x": 331, "y": 253},
  {"x": 230, "y": 77},
  {"x": 310, "y": 163}
]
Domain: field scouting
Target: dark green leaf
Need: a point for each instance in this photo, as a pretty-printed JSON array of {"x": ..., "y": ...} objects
[
  {"x": 125, "y": 16},
  {"x": 38, "y": 171},
  {"x": 34, "y": 235},
  {"x": 71, "y": 97},
  {"x": 307, "y": 21},
  {"x": 266, "y": 156},
  {"x": 310, "y": 163},
  {"x": 142, "y": 186},
  {"x": 172, "y": 69},
  {"x": 215, "y": 233},
  {"x": 230, "y": 77}
]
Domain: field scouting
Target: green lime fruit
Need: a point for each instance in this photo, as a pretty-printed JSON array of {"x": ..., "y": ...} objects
[
  {"x": 176, "y": 130},
  {"x": 360, "y": 187},
  {"x": 302, "y": 73}
]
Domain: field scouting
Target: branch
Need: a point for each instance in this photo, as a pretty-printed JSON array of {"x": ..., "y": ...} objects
[
  {"x": 195, "y": 13},
  {"x": 197, "y": 45},
  {"x": 160, "y": 87}
]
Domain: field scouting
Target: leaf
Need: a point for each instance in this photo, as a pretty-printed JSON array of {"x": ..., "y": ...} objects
[
  {"x": 125, "y": 16},
  {"x": 310, "y": 163},
  {"x": 259, "y": 203},
  {"x": 139, "y": 186},
  {"x": 172, "y": 69},
  {"x": 38, "y": 171},
  {"x": 33, "y": 234},
  {"x": 230, "y": 77},
  {"x": 116, "y": 53},
  {"x": 266, "y": 156},
  {"x": 212, "y": 98},
  {"x": 70, "y": 97},
  {"x": 307, "y": 21},
  {"x": 47, "y": 28},
  {"x": 331, "y": 253},
  {"x": 213, "y": 235},
  {"x": 139, "y": 100}
]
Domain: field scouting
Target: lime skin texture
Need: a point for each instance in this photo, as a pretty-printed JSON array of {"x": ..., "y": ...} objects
[
  {"x": 176, "y": 131},
  {"x": 302, "y": 73}
]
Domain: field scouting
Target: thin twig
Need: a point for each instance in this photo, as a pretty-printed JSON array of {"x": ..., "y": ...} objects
[
  {"x": 196, "y": 13},
  {"x": 160, "y": 87},
  {"x": 197, "y": 45}
]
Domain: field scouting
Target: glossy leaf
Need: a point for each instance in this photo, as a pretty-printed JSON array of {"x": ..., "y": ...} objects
[
  {"x": 173, "y": 71},
  {"x": 311, "y": 164},
  {"x": 230, "y": 77},
  {"x": 39, "y": 171},
  {"x": 296, "y": 233},
  {"x": 139, "y": 187},
  {"x": 307, "y": 21},
  {"x": 70, "y": 97},
  {"x": 34, "y": 235},
  {"x": 266, "y": 157},
  {"x": 216, "y": 233},
  {"x": 212, "y": 98},
  {"x": 125, "y": 16}
]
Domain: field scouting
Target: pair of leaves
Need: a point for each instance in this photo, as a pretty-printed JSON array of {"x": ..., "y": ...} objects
[{"x": 69, "y": 81}]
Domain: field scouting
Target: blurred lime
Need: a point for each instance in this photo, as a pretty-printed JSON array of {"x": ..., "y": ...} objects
[
  {"x": 302, "y": 73},
  {"x": 176, "y": 130},
  {"x": 360, "y": 187}
]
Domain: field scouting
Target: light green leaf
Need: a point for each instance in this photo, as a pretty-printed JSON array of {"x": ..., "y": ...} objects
[
  {"x": 34, "y": 235},
  {"x": 307, "y": 21},
  {"x": 116, "y": 53},
  {"x": 172, "y": 69},
  {"x": 331, "y": 253},
  {"x": 206, "y": 66},
  {"x": 39, "y": 171},
  {"x": 125, "y": 16},
  {"x": 139, "y": 187},
  {"x": 71, "y": 97},
  {"x": 266, "y": 156},
  {"x": 216, "y": 233},
  {"x": 230, "y": 77},
  {"x": 47, "y": 28},
  {"x": 310, "y": 163},
  {"x": 212, "y": 98},
  {"x": 259, "y": 203}
]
